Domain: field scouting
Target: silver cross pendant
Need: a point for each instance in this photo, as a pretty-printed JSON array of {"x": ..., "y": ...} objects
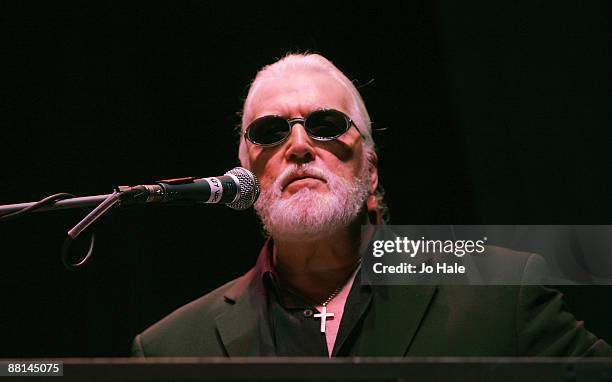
[{"x": 323, "y": 316}]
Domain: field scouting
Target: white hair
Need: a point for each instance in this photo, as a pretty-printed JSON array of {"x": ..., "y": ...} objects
[{"x": 308, "y": 62}]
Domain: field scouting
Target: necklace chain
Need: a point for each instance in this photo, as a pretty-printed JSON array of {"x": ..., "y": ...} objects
[
  {"x": 335, "y": 292},
  {"x": 331, "y": 297}
]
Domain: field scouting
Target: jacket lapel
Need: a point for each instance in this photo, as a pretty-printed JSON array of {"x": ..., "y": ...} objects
[
  {"x": 395, "y": 312},
  {"x": 393, "y": 320},
  {"x": 242, "y": 324}
]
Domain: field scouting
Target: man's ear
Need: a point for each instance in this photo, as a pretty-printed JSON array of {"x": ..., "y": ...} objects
[
  {"x": 373, "y": 163},
  {"x": 372, "y": 201}
]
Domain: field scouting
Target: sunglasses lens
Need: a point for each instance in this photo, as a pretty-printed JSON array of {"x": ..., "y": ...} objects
[
  {"x": 327, "y": 124},
  {"x": 268, "y": 130}
]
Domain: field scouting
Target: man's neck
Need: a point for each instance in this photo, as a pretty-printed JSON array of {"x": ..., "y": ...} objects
[{"x": 315, "y": 269}]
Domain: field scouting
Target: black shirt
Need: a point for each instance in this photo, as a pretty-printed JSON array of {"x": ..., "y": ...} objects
[{"x": 295, "y": 330}]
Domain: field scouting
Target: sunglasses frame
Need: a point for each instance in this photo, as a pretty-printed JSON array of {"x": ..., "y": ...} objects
[{"x": 302, "y": 121}]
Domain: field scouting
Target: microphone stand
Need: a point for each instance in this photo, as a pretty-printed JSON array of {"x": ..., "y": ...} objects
[
  {"x": 61, "y": 201},
  {"x": 58, "y": 204},
  {"x": 162, "y": 191}
]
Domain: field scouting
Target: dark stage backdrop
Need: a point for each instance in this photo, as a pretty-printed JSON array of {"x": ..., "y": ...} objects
[{"x": 495, "y": 113}]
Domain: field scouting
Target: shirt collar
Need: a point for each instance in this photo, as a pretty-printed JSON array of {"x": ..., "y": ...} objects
[{"x": 286, "y": 297}]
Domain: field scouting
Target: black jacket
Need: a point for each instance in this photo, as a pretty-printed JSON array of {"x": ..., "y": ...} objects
[{"x": 398, "y": 321}]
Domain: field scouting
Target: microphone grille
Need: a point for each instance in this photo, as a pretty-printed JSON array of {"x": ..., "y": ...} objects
[{"x": 248, "y": 188}]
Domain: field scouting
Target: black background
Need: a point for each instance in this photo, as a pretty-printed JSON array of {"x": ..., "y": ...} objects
[{"x": 495, "y": 114}]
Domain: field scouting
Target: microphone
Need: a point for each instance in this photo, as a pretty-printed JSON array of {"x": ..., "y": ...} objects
[{"x": 237, "y": 188}]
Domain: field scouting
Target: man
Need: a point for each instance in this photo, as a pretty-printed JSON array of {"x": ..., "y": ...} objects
[{"x": 306, "y": 135}]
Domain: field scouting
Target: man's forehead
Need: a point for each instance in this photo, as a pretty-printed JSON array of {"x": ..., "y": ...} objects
[{"x": 299, "y": 92}]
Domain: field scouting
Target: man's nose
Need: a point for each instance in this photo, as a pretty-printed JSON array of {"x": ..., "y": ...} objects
[{"x": 300, "y": 147}]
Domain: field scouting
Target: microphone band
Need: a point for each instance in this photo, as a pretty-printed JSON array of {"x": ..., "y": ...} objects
[{"x": 216, "y": 189}]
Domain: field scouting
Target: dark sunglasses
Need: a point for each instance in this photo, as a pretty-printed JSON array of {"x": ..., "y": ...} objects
[{"x": 321, "y": 125}]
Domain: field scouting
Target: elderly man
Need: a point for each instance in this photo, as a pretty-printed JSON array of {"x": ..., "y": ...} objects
[{"x": 306, "y": 134}]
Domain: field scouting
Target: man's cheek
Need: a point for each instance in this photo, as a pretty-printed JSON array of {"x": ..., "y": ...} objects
[
  {"x": 258, "y": 165},
  {"x": 262, "y": 159},
  {"x": 268, "y": 183}
]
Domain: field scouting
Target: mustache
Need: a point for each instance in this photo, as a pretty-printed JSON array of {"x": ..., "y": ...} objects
[{"x": 300, "y": 170}]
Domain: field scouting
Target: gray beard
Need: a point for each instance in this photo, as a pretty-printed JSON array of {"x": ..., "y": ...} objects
[{"x": 308, "y": 214}]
